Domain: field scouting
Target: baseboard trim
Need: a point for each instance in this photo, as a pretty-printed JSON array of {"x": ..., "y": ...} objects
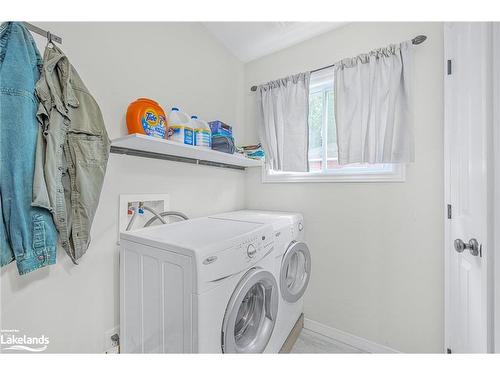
[{"x": 347, "y": 338}]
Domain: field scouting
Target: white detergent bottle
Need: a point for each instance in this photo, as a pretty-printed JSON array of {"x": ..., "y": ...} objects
[
  {"x": 202, "y": 132},
  {"x": 179, "y": 128}
]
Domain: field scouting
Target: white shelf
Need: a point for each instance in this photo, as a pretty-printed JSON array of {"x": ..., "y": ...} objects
[{"x": 145, "y": 146}]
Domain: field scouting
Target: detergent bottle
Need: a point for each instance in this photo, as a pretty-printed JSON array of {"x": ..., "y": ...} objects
[
  {"x": 202, "y": 132},
  {"x": 180, "y": 129},
  {"x": 145, "y": 116}
]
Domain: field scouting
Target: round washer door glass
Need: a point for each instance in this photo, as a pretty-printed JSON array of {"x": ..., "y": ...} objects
[
  {"x": 251, "y": 313},
  {"x": 295, "y": 271}
]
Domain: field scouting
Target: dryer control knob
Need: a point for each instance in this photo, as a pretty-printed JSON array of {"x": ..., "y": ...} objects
[{"x": 251, "y": 250}]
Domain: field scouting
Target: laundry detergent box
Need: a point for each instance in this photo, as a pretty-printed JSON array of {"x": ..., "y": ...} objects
[{"x": 219, "y": 128}]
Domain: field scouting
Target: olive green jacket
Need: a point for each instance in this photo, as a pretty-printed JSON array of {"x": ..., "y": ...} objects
[{"x": 72, "y": 152}]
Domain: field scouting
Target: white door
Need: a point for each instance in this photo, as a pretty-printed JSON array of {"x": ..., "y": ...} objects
[{"x": 468, "y": 110}]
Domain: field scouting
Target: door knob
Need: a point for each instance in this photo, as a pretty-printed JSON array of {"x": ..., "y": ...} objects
[{"x": 472, "y": 246}]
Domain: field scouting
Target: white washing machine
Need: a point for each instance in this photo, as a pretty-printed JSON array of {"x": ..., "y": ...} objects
[
  {"x": 292, "y": 265},
  {"x": 205, "y": 285}
]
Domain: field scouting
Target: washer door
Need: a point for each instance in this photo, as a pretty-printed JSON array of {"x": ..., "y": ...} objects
[
  {"x": 295, "y": 271},
  {"x": 251, "y": 313}
]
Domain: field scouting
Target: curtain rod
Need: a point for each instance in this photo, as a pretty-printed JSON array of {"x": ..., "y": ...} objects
[
  {"x": 417, "y": 40},
  {"x": 47, "y": 34}
]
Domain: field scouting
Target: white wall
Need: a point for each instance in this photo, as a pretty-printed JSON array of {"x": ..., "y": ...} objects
[
  {"x": 178, "y": 65},
  {"x": 376, "y": 247},
  {"x": 377, "y": 254}
]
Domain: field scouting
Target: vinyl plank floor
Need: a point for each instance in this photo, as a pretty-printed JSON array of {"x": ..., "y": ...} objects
[{"x": 312, "y": 342}]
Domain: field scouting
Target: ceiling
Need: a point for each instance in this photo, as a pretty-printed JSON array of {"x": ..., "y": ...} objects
[{"x": 251, "y": 40}]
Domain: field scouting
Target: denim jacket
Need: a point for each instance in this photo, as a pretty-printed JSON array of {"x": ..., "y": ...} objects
[
  {"x": 72, "y": 152},
  {"x": 27, "y": 234}
]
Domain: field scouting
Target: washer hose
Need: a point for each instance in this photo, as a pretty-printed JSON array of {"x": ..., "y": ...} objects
[
  {"x": 166, "y": 213},
  {"x": 157, "y": 216}
]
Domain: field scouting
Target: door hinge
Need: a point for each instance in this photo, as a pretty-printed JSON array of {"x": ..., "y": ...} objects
[
  {"x": 448, "y": 351},
  {"x": 449, "y": 211},
  {"x": 448, "y": 65}
]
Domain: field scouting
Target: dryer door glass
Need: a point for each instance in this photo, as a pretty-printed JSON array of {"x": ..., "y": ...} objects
[
  {"x": 251, "y": 313},
  {"x": 295, "y": 271}
]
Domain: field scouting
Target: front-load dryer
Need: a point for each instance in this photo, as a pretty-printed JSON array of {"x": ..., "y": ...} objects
[
  {"x": 292, "y": 265},
  {"x": 205, "y": 285}
]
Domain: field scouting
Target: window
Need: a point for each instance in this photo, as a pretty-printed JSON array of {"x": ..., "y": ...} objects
[{"x": 323, "y": 149}]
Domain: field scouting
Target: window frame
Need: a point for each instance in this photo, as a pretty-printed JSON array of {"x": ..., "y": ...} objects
[
  {"x": 397, "y": 173},
  {"x": 387, "y": 172}
]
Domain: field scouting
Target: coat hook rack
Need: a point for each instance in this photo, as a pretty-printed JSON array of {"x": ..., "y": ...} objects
[{"x": 47, "y": 34}]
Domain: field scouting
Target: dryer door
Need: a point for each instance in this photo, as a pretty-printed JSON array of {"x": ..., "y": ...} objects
[
  {"x": 295, "y": 271},
  {"x": 251, "y": 313}
]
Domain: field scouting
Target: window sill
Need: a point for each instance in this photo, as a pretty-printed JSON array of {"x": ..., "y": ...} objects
[{"x": 397, "y": 174}]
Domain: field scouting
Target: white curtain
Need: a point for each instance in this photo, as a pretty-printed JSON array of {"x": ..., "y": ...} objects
[
  {"x": 284, "y": 110},
  {"x": 373, "y": 106}
]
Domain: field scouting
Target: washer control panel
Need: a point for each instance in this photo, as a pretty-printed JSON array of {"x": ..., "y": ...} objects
[
  {"x": 251, "y": 246},
  {"x": 233, "y": 256},
  {"x": 256, "y": 246}
]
